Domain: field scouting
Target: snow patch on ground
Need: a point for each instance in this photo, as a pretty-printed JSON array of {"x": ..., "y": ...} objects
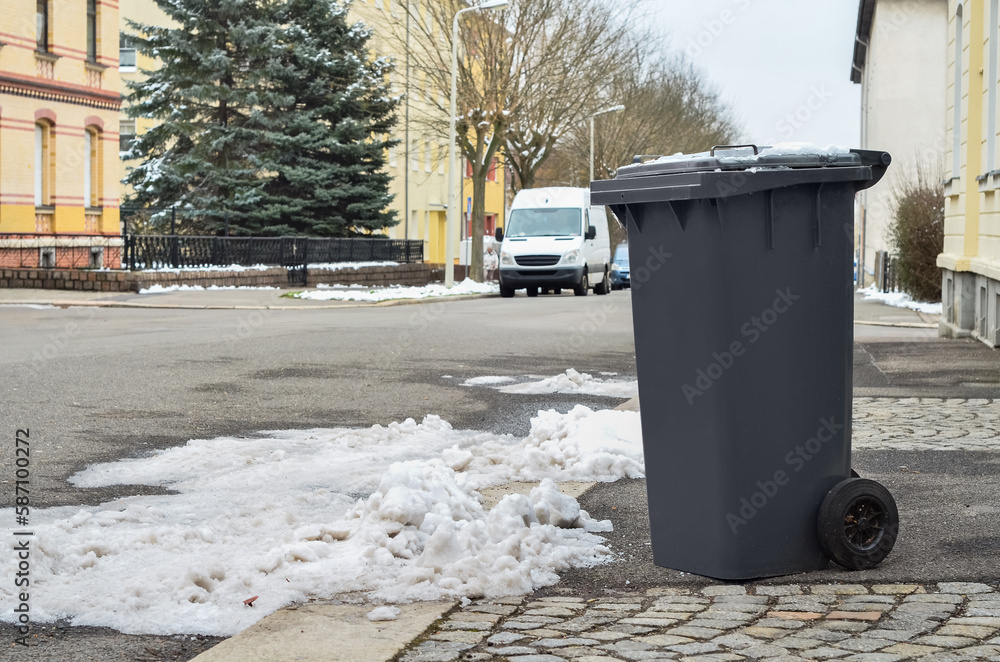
[
  {"x": 329, "y": 266},
  {"x": 487, "y": 380},
  {"x": 383, "y": 613},
  {"x": 161, "y": 289},
  {"x": 390, "y": 513},
  {"x": 335, "y": 266},
  {"x": 177, "y": 270},
  {"x": 901, "y": 300},
  {"x": 467, "y": 286},
  {"x": 570, "y": 381}
]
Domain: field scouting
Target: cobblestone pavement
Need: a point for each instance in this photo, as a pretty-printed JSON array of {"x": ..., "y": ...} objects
[
  {"x": 946, "y": 622},
  {"x": 926, "y": 424}
]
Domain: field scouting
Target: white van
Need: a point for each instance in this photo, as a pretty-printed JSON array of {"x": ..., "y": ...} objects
[{"x": 555, "y": 239}]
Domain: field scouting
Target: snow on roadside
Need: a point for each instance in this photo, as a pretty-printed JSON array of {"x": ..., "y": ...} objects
[
  {"x": 336, "y": 266},
  {"x": 328, "y": 266},
  {"x": 156, "y": 288},
  {"x": 390, "y": 512},
  {"x": 467, "y": 286},
  {"x": 901, "y": 300},
  {"x": 570, "y": 381}
]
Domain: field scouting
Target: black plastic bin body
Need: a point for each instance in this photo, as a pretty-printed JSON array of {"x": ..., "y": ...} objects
[{"x": 742, "y": 301}]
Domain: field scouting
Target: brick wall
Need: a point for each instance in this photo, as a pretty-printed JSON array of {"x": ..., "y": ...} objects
[{"x": 126, "y": 281}]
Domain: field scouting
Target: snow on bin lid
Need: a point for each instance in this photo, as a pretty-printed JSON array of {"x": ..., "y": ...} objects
[{"x": 742, "y": 157}]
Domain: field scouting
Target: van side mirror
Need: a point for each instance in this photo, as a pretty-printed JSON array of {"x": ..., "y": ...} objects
[
  {"x": 498, "y": 234},
  {"x": 591, "y": 232}
]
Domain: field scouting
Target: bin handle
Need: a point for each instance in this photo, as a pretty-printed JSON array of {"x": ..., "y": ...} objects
[{"x": 753, "y": 147}]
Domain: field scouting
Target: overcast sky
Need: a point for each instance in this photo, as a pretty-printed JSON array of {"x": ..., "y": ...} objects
[{"x": 784, "y": 67}]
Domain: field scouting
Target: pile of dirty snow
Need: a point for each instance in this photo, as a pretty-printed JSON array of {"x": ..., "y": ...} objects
[{"x": 390, "y": 513}]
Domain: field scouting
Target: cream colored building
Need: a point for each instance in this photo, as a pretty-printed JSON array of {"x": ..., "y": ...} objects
[
  {"x": 899, "y": 61},
  {"x": 970, "y": 259},
  {"x": 59, "y": 105}
]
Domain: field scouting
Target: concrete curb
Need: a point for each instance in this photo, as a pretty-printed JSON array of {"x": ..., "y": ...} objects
[
  {"x": 328, "y": 633},
  {"x": 905, "y": 325}
]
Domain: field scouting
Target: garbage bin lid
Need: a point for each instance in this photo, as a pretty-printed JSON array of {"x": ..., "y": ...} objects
[{"x": 746, "y": 157}]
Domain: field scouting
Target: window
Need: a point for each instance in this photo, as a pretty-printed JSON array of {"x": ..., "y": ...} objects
[
  {"x": 393, "y": 161},
  {"x": 92, "y": 31},
  {"x": 414, "y": 155},
  {"x": 43, "y": 161},
  {"x": 428, "y": 156},
  {"x": 88, "y": 169},
  {"x": 92, "y": 167},
  {"x": 468, "y": 169},
  {"x": 126, "y": 135},
  {"x": 126, "y": 53},
  {"x": 956, "y": 157},
  {"x": 42, "y": 25},
  {"x": 441, "y": 157},
  {"x": 491, "y": 174}
]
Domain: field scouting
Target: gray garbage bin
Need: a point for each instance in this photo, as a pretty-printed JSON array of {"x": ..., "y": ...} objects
[{"x": 742, "y": 301}]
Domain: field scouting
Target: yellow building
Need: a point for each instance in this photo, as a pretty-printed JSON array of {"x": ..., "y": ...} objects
[
  {"x": 59, "y": 104},
  {"x": 970, "y": 259},
  {"x": 419, "y": 182}
]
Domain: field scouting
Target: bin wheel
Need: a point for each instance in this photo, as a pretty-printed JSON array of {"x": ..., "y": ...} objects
[
  {"x": 532, "y": 291},
  {"x": 506, "y": 292},
  {"x": 858, "y": 523},
  {"x": 605, "y": 285},
  {"x": 581, "y": 289}
]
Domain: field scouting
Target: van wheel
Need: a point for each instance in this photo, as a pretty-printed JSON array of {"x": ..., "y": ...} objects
[
  {"x": 506, "y": 292},
  {"x": 605, "y": 285},
  {"x": 581, "y": 289},
  {"x": 532, "y": 291}
]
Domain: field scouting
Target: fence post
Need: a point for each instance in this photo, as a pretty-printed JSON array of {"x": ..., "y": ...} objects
[
  {"x": 305, "y": 262},
  {"x": 174, "y": 246}
]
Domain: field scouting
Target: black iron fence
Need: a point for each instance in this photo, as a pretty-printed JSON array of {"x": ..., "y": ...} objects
[
  {"x": 175, "y": 251},
  {"x": 136, "y": 252}
]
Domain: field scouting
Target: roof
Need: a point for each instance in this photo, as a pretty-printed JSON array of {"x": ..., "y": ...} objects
[{"x": 866, "y": 10}]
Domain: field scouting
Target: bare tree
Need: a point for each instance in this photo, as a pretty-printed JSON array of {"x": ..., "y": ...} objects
[
  {"x": 669, "y": 108},
  {"x": 523, "y": 78},
  {"x": 575, "y": 69}
]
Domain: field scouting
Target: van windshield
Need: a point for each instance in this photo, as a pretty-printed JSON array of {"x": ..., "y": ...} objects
[{"x": 544, "y": 223}]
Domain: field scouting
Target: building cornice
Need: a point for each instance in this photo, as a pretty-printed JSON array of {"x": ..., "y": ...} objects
[
  {"x": 862, "y": 37},
  {"x": 11, "y": 83}
]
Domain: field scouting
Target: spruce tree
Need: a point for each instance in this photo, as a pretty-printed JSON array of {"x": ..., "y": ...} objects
[
  {"x": 268, "y": 110},
  {"x": 326, "y": 173}
]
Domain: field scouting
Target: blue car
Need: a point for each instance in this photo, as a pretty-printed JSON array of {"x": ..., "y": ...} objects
[{"x": 619, "y": 269}]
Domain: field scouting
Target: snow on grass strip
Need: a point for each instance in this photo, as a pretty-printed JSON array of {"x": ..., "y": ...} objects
[
  {"x": 391, "y": 513},
  {"x": 374, "y": 294},
  {"x": 901, "y": 300},
  {"x": 570, "y": 381},
  {"x": 161, "y": 289}
]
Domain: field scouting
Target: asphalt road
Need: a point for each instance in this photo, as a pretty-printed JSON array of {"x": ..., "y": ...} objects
[{"x": 97, "y": 384}]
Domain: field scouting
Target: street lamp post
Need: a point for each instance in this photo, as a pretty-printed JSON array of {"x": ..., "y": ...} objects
[
  {"x": 616, "y": 109},
  {"x": 451, "y": 222}
]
